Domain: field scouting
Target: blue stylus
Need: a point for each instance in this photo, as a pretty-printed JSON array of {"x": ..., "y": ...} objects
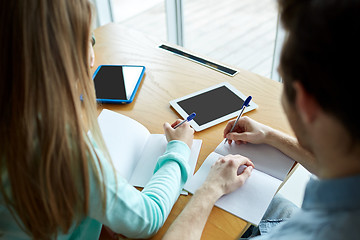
[
  {"x": 188, "y": 119},
  {"x": 245, "y": 104}
]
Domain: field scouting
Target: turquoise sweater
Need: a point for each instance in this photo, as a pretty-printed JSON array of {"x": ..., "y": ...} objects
[{"x": 128, "y": 211}]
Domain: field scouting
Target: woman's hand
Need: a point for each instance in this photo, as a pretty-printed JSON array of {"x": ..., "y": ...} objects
[
  {"x": 183, "y": 133},
  {"x": 246, "y": 130}
]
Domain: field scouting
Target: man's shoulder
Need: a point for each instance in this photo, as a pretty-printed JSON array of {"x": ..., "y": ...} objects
[{"x": 318, "y": 225}]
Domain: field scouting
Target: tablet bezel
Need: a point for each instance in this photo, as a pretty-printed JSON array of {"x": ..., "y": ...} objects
[
  {"x": 184, "y": 115},
  {"x": 131, "y": 99}
]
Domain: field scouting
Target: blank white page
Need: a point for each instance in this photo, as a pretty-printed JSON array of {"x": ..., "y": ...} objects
[
  {"x": 266, "y": 158},
  {"x": 155, "y": 147},
  {"x": 125, "y": 139},
  {"x": 250, "y": 201}
]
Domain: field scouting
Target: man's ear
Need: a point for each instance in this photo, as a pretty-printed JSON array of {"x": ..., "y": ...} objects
[{"x": 306, "y": 104}]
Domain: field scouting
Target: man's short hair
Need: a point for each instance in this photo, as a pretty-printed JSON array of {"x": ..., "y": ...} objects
[{"x": 322, "y": 51}]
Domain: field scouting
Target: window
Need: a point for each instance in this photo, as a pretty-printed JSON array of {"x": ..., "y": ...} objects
[{"x": 237, "y": 33}]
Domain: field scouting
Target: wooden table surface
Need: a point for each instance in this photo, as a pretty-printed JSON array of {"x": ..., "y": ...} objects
[{"x": 167, "y": 77}]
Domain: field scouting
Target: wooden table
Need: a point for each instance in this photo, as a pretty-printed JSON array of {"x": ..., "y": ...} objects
[{"x": 167, "y": 77}]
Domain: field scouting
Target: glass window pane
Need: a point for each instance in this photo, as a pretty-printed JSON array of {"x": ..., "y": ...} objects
[
  {"x": 240, "y": 33},
  {"x": 147, "y": 16}
]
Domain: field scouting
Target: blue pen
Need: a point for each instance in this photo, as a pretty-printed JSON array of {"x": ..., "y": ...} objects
[
  {"x": 245, "y": 104},
  {"x": 188, "y": 119}
]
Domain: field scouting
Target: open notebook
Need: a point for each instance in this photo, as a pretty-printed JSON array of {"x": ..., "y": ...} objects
[
  {"x": 133, "y": 150},
  {"x": 250, "y": 201}
]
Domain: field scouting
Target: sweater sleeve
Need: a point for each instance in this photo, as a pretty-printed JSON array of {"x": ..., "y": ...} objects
[{"x": 138, "y": 214}]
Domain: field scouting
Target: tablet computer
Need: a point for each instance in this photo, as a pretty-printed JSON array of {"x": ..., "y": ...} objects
[
  {"x": 117, "y": 83},
  {"x": 212, "y": 105}
]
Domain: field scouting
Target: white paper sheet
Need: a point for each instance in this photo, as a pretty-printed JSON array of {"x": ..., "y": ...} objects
[
  {"x": 155, "y": 147},
  {"x": 266, "y": 158},
  {"x": 125, "y": 139},
  {"x": 250, "y": 201},
  {"x": 133, "y": 150}
]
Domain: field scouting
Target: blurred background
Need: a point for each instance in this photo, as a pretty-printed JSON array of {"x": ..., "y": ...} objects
[{"x": 240, "y": 33}]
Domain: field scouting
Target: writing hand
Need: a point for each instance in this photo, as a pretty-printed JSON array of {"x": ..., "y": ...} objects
[
  {"x": 246, "y": 130},
  {"x": 183, "y": 133}
]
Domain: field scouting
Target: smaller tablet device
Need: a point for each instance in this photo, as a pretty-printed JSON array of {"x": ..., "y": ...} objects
[
  {"x": 117, "y": 83},
  {"x": 212, "y": 105}
]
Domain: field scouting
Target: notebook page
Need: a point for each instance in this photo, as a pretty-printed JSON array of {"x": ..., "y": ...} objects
[
  {"x": 250, "y": 201},
  {"x": 155, "y": 148},
  {"x": 143, "y": 171},
  {"x": 125, "y": 138},
  {"x": 266, "y": 158}
]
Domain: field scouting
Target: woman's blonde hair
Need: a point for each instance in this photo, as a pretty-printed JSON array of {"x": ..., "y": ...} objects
[{"x": 44, "y": 149}]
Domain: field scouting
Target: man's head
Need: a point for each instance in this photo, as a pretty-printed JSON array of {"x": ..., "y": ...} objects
[{"x": 320, "y": 60}]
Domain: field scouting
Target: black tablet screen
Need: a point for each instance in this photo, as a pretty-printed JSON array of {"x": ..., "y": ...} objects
[
  {"x": 212, "y": 105},
  {"x": 116, "y": 82}
]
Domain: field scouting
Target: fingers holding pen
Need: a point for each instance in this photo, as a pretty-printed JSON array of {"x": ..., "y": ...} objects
[
  {"x": 176, "y": 122},
  {"x": 183, "y": 133},
  {"x": 247, "y": 130}
]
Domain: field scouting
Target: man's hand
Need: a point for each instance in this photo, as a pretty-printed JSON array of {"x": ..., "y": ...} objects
[
  {"x": 246, "y": 130},
  {"x": 225, "y": 177}
]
